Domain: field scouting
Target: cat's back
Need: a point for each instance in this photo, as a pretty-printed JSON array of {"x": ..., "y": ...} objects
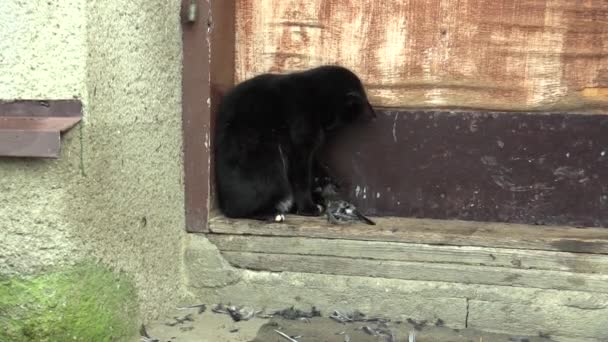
[{"x": 250, "y": 101}]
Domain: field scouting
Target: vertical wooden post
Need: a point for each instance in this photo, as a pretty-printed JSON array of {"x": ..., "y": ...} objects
[{"x": 208, "y": 71}]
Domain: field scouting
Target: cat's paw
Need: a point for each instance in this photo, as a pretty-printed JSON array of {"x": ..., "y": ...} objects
[{"x": 310, "y": 210}]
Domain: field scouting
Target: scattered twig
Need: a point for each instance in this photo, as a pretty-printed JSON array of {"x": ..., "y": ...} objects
[
  {"x": 369, "y": 330},
  {"x": 201, "y": 307},
  {"x": 145, "y": 337},
  {"x": 287, "y": 337}
]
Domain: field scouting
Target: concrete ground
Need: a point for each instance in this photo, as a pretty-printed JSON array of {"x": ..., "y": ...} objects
[{"x": 188, "y": 325}]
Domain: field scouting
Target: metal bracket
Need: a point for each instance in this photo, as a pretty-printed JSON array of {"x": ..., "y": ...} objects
[{"x": 191, "y": 12}]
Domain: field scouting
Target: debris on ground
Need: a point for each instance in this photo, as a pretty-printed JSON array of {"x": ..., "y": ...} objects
[
  {"x": 180, "y": 320},
  {"x": 382, "y": 330},
  {"x": 293, "y": 314},
  {"x": 353, "y": 326},
  {"x": 355, "y": 316},
  {"x": 299, "y": 325},
  {"x": 418, "y": 325},
  {"x": 145, "y": 337},
  {"x": 238, "y": 313},
  {"x": 201, "y": 308},
  {"x": 287, "y": 337}
]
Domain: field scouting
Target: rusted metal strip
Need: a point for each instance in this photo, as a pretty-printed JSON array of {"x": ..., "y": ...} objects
[
  {"x": 532, "y": 168},
  {"x": 208, "y": 69},
  {"x": 23, "y": 143},
  {"x": 29, "y": 123},
  {"x": 32, "y": 128},
  {"x": 41, "y": 108}
]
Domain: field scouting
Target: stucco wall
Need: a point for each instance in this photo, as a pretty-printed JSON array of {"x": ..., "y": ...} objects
[
  {"x": 42, "y": 49},
  {"x": 116, "y": 193}
]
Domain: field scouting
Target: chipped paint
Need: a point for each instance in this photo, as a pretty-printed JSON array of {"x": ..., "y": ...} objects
[
  {"x": 487, "y": 54},
  {"x": 395, "y": 127}
]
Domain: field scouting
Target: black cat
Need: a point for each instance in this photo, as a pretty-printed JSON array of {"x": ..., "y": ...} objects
[{"x": 268, "y": 131}]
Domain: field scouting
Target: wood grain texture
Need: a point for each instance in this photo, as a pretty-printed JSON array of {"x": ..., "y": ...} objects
[
  {"x": 373, "y": 250},
  {"x": 486, "y": 54},
  {"x": 420, "y": 271},
  {"x": 432, "y": 232}
]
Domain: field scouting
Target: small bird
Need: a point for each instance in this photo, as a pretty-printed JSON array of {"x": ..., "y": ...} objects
[
  {"x": 340, "y": 211},
  {"x": 337, "y": 210}
]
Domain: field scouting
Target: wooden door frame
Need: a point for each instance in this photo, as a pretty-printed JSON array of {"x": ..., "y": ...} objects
[
  {"x": 209, "y": 43},
  {"x": 208, "y": 71}
]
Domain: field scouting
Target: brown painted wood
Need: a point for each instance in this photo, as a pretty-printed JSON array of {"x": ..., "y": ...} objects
[
  {"x": 543, "y": 169},
  {"x": 484, "y": 54},
  {"x": 431, "y": 232},
  {"x": 34, "y": 143},
  {"x": 207, "y": 68},
  {"x": 555, "y": 280},
  {"x": 414, "y": 252},
  {"x": 222, "y": 67}
]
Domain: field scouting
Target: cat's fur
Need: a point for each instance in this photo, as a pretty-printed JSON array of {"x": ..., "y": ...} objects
[{"x": 268, "y": 131}]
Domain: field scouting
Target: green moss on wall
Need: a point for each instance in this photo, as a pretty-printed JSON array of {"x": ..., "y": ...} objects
[{"x": 85, "y": 303}]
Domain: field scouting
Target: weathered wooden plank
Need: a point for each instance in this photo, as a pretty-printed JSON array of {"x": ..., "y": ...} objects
[
  {"x": 432, "y": 232},
  {"x": 537, "y": 168},
  {"x": 488, "y": 54},
  {"x": 485, "y": 256},
  {"x": 420, "y": 271}
]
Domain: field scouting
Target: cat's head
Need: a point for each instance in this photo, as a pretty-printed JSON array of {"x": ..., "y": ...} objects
[{"x": 349, "y": 102}]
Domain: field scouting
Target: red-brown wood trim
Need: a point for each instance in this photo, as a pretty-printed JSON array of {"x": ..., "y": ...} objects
[
  {"x": 32, "y": 128},
  {"x": 208, "y": 70}
]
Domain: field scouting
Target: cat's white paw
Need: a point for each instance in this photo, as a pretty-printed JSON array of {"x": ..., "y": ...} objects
[
  {"x": 321, "y": 209},
  {"x": 279, "y": 218}
]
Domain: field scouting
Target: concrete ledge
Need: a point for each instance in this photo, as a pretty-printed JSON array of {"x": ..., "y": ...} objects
[
  {"x": 546, "y": 318},
  {"x": 565, "y": 315}
]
